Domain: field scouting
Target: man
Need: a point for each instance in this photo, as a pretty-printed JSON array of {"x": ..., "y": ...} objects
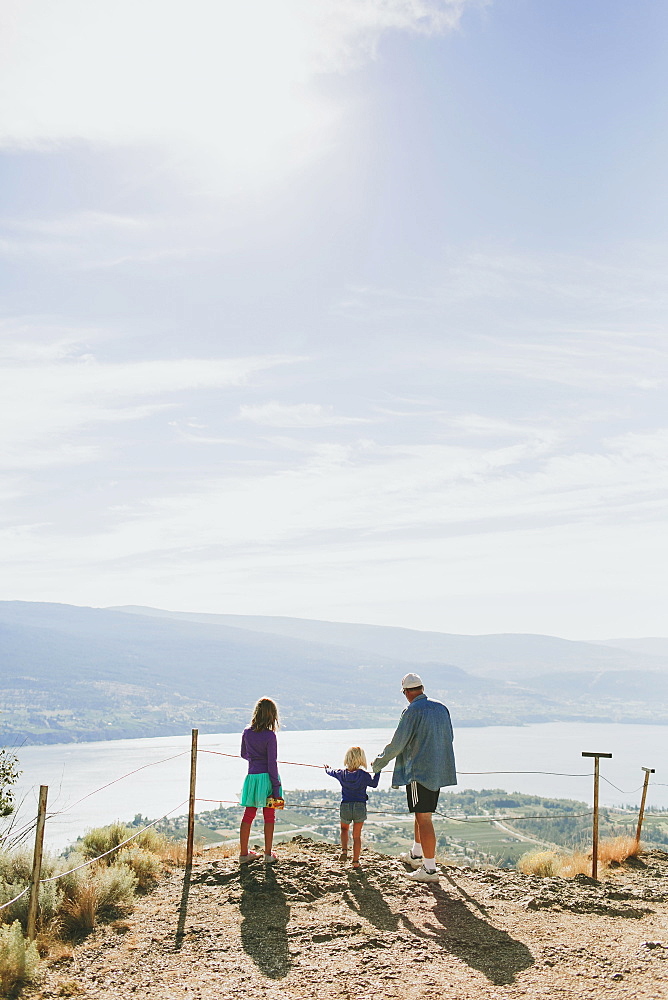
[{"x": 425, "y": 762}]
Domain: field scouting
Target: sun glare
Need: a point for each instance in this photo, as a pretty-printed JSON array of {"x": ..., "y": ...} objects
[{"x": 230, "y": 80}]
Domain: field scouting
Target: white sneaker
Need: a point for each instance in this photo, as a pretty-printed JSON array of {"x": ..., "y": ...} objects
[
  {"x": 422, "y": 875},
  {"x": 409, "y": 858}
]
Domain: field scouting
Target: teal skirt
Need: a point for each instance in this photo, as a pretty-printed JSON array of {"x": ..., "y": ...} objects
[{"x": 256, "y": 790}]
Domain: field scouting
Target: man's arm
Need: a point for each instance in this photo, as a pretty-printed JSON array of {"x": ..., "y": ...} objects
[{"x": 402, "y": 735}]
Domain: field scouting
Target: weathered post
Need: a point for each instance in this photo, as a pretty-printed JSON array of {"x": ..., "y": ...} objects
[
  {"x": 594, "y": 850},
  {"x": 190, "y": 843},
  {"x": 641, "y": 814},
  {"x": 37, "y": 862}
]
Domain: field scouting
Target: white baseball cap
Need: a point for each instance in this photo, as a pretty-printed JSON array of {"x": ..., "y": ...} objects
[{"x": 411, "y": 681}]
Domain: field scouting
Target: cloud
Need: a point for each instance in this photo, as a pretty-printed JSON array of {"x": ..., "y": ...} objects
[
  {"x": 295, "y": 415},
  {"x": 53, "y": 397},
  {"x": 231, "y": 78}
]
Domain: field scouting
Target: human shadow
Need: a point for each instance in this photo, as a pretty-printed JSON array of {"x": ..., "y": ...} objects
[
  {"x": 369, "y": 902},
  {"x": 460, "y": 927},
  {"x": 183, "y": 907},
  {"x": 265, "y": 911},
  {"x": 460, "y": 931}
]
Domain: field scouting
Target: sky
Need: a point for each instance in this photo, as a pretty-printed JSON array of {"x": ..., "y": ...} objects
[{"x": 339, "y": 309}]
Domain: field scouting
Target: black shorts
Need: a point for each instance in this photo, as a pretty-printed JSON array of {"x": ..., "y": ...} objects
[{"x": 421, "y": 799}]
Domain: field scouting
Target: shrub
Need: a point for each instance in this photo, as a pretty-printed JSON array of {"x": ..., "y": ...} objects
[
  {"x": 102, "y": 839},
  {"x": 49, "y": 900},
  {"x": 104, "y": 893},
  {"x": 19, "y": 960},
  {"x": 15, "y": 875},
  {"x": 151, "y": 841},
  {"x": 16, "y": 866},
  {"x": 146, "y": 867}
]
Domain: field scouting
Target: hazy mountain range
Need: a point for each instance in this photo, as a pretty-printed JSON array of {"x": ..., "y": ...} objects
[{"x": 73, "y": 673}]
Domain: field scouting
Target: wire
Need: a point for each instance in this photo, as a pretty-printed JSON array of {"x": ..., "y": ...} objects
[
  {"x": 632, "y": 792},
  {"x": 54, "y": 878},
  {"x": 237, "y": 756},
  {"x": 4, "y": 905},
  {"x": 382, "y": 812},
  {"x": 115, "y": 780},
  {"x": 560, "y": 774}
]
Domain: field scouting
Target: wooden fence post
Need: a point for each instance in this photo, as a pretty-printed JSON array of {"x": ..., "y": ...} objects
[
  {"x": 641, "y": 814},
  {"x": 37, "y": 862},
  {"x": 594, "y": 850},
  {"x": 190, "y": 843}
]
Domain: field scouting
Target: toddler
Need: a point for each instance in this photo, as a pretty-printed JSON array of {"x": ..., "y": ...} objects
[{"x": 354, "y": 783}]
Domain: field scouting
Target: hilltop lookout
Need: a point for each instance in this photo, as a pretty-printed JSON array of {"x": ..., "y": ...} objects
[{"x": 311, "y": 927}]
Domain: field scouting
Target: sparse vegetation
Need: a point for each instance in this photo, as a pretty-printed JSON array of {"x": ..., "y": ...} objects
[
  {"x": 618, "y": 849},
  {"x": 103, "y": 894},
  {"x": 19, "y": 960},
  {"x": 88, "y": 892},
  {"x": 547, "y": 864}
]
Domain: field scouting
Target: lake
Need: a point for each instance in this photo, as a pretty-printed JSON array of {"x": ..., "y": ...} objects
[{"x": 74, "y": 770}]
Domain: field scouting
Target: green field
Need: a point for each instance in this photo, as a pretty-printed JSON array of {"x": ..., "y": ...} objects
[{"x": 487, "y": 827}]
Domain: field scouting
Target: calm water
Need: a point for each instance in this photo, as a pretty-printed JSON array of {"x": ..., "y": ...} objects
[{"x": 74, "y": 770}]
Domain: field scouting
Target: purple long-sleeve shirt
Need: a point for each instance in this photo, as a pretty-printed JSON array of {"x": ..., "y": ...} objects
[
  {"x": 354, "y": 783},
  {"x": 260, "y": 749}
]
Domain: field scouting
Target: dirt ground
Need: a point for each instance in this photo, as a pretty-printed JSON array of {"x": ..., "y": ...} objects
[{"x": 311, "y": 927}]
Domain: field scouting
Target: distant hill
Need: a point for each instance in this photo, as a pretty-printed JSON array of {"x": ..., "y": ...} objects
[
  {"x": 506, "y": 656},
  {"x": 74, "y": 673},
  {"x": 654, "y": 647}
]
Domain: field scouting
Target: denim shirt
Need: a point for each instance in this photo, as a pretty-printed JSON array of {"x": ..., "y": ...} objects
[{"x": 422, "y": 745}]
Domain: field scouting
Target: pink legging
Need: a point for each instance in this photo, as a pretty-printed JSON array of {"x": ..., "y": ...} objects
[{"x": 269, "y": 815}]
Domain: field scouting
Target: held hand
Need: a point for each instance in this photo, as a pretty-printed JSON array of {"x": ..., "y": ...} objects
[
  {"x": 275, "y": 803},
  {"x": 326, "y": 767}
]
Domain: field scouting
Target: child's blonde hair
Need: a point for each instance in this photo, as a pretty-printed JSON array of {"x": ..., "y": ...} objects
[{"x": 354, "y": 758}]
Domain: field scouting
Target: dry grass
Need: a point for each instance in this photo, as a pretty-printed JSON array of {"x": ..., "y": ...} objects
[
  {"x": 104, "y": 894},
  {"x": 576, "y": 863},
  {"x": 174, "y": 852},
  {"x": 618, "y": 849},
  {"x": 551, "y": 864},
  {"x": 545, "y": 864}
]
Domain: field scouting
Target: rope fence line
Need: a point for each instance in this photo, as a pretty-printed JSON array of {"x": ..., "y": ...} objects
[
  {"x": 54, "y": 878},
  {"x": 91, "y": 861},
  {"x": 192, "y": 800},
  {"x": 129, "y": 774},
  {"x": 386, "y": 812}
]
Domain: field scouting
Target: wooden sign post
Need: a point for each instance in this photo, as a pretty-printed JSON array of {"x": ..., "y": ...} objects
[
  {"x": 37, "y": 862},
  {"x": 594, "y": 854},
  {"x": 641, "y": 814},
  {"x": 190, "y": 842}
]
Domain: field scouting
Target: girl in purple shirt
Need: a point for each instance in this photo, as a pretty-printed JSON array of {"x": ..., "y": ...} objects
[{"x": 259, "y": 748}]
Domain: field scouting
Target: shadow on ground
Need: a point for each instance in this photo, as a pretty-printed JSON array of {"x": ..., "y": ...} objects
[
  {"x": 265, "y": 911},
  {"x": 460, "y": 927},
  {"x": 469, "y": 936}
]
